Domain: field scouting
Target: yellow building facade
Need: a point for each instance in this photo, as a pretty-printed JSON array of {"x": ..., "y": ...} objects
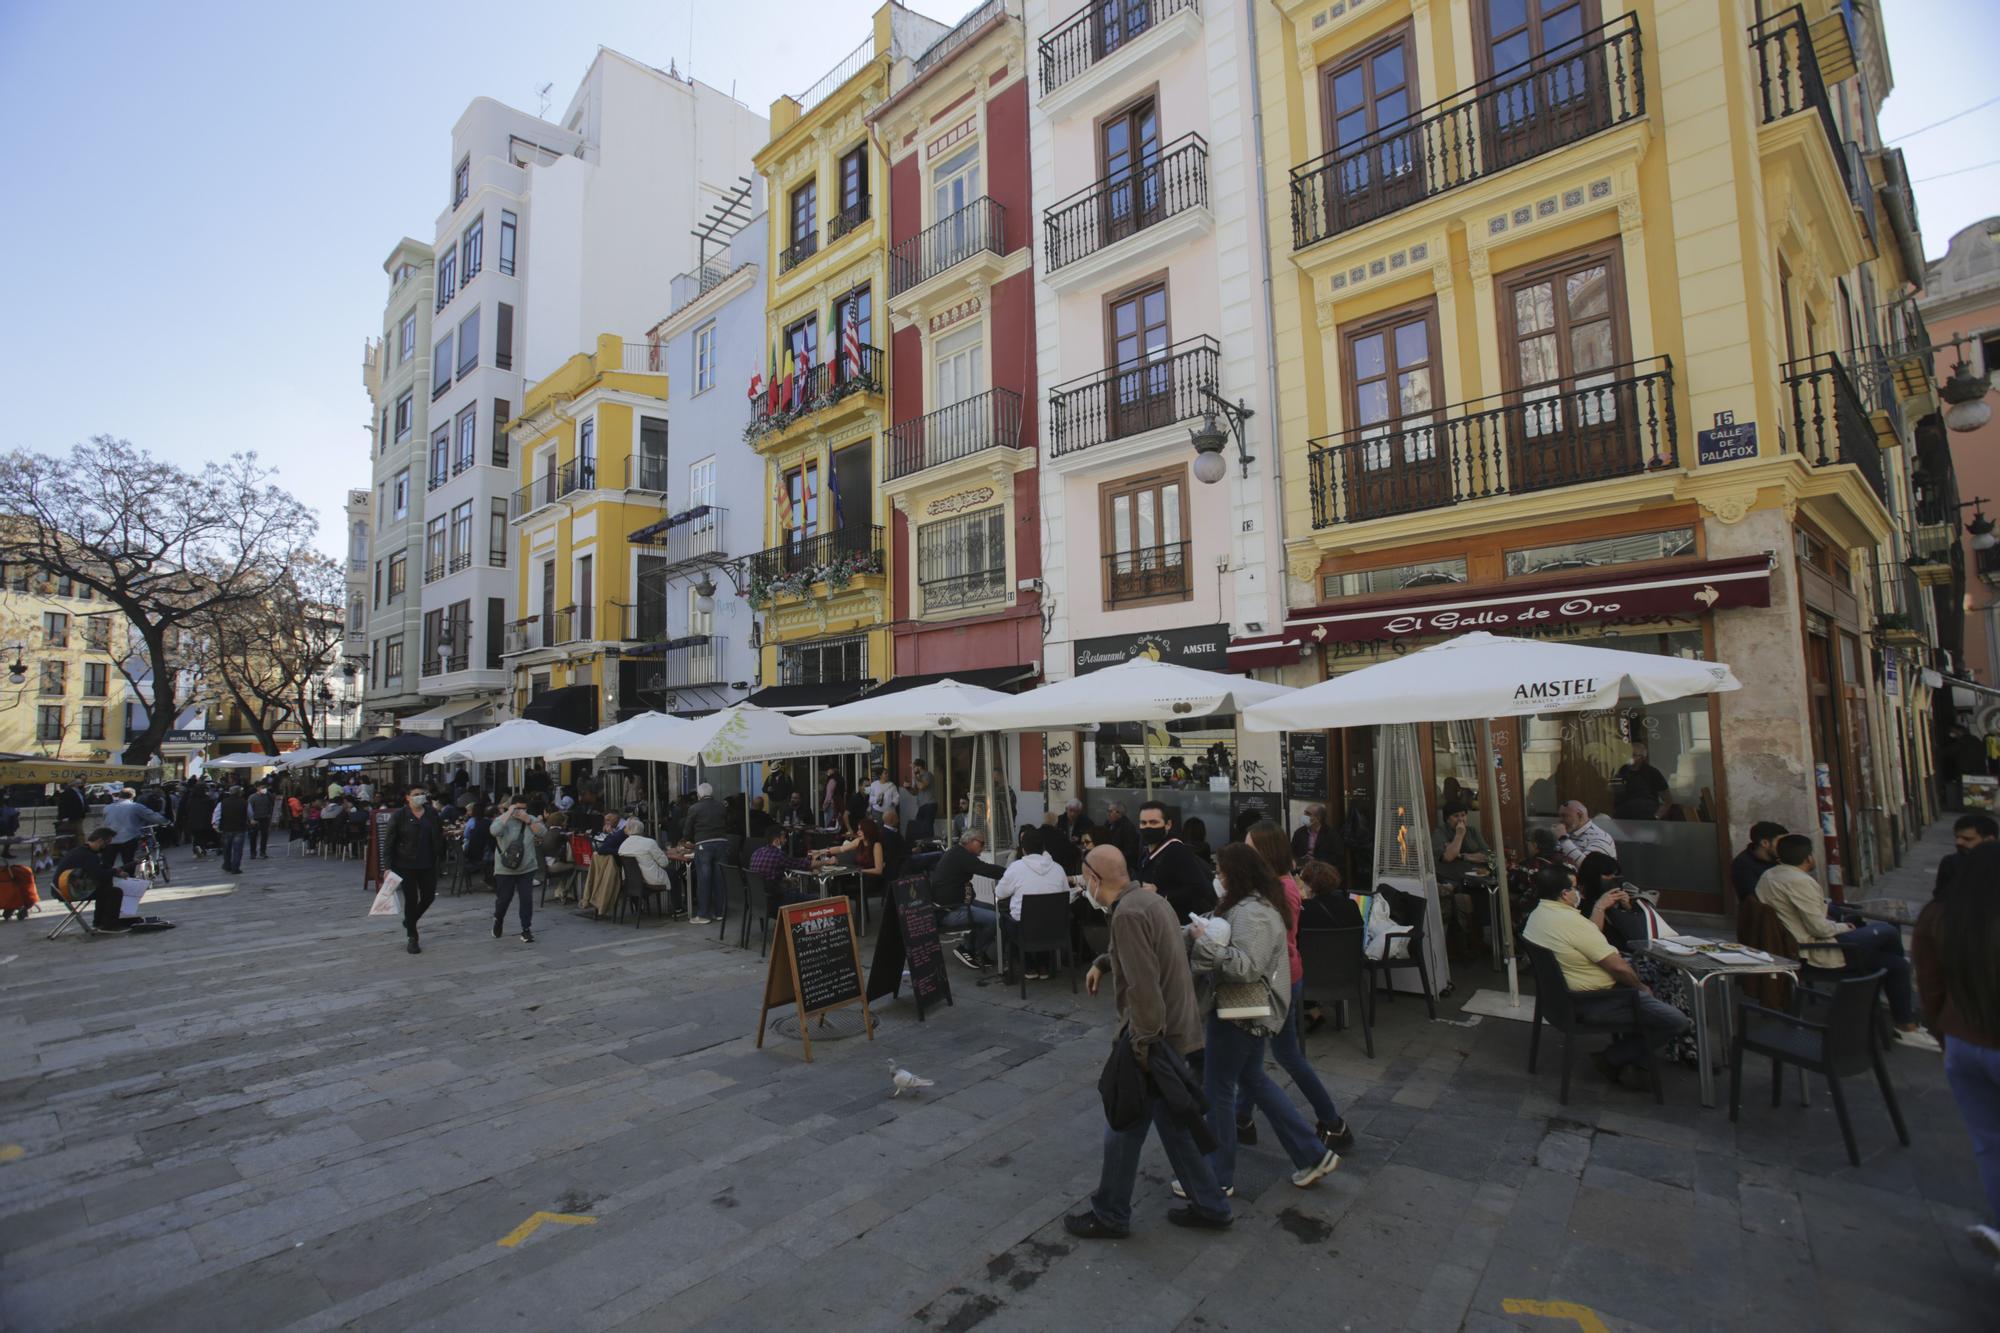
[
  {"x": 62, "y": 696},
  {"x": 1586, "y": 318},
  {"x": 591, "y": 445}
]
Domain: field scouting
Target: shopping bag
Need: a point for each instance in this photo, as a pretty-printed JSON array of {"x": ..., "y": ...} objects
[{"x": 388, "y": 899}]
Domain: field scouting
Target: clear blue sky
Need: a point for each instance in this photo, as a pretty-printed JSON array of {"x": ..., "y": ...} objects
[{"x": 205, "y": 192}]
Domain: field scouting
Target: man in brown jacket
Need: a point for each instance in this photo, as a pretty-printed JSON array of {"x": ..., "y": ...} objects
[{"x": 1155, "y": 993}]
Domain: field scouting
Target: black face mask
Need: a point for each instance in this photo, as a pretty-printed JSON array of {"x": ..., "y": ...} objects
[{"x": 1152, "y": 837}]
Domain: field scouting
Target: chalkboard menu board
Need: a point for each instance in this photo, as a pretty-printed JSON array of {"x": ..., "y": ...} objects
[
  {"x": 1268, "y": 805},
  {"x": 1305, "y": 765},
  {"x": 909, "y": 938},
  {"x": 376, "y": 862},
  {"x": 817, "y": 965}
]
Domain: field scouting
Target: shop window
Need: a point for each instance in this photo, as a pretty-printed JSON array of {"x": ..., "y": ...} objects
[
  {"x": 1395, "y": 578},
  {"x": 1597, "y": 551},
  {"x": 823, "y": 662}
]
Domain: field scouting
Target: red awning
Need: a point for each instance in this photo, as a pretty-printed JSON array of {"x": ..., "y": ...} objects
[{"x": 1684, "y": 588}]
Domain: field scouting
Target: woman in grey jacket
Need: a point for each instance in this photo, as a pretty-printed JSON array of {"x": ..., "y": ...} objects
[{"x": 1253, "y": 902}]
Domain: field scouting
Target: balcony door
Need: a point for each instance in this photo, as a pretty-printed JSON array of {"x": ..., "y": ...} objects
[
  {"x": 1564, "y": 339},
  {"x": 1546, "y": 85},
  {"x": 954, "y": 187},
  {"x": 852, "y": 495},
  {"x": 548, "y": 603},
  {"x": 1129, "y": 153},
  {"x": 1142, "y": 376},
  {"x": 1118, "y": 22},
  {"x": 1144, "y": 536},
  {"x": 1366, "y": 102},
  {"x": 1397, "y": 459}
]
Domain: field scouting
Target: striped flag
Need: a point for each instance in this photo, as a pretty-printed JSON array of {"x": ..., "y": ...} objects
[{"x": 850, "y": 341}]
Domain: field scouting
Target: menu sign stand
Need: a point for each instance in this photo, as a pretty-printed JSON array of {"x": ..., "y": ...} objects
[
  {"x": 816, "y": 966},
  {"x": 909, "y": 938}
]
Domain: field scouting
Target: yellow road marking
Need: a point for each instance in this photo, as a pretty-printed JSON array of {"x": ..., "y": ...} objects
[
  {"x": 1583, "y": 1316},
  {"x": 529, "y": 1227},
  {"x": 12, "y": 1152}
]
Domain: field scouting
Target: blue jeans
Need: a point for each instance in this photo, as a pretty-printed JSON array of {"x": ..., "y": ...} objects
[
  {"x": 709, "y": 891},
  {"x": 232, "y": 851},
  {"x": 1113, "y": 1201},
  {"x": 1236, "y": 1059},
  {"x": 1974, "y": 1075},
  {"x": 1880, "y": 944},
  {"x": 1290, "y": 1053},
  {"x": 506, "y": 887},
  {"x": 979, "y": 919},
  {"x": 1657, "y": 1022}
]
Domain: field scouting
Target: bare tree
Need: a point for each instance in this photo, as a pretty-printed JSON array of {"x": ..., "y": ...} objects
[
  {"x": 270, "y": 654},
  {"x": 164, "y": 545}
]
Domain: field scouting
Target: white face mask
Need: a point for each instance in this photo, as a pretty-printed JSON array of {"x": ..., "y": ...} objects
[
  {"x": 1090, "y": 896},
  {"x": 1574, "y": 897}
]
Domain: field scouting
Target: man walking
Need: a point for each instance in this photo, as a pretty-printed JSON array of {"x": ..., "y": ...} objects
[
  {"x": 72, "y": 806},
  {"x": 707, "y": 829},
  {"x": 516, "y": 835},
  {"x": 413, "y": 845},
  {"x": 128, "y": 821},
  {"x": 261, "y": 805},
  {"x": 232, "y": 821},
  {"x": 1174, "y": 872},
  {"x": 1157, "y": 1015}
]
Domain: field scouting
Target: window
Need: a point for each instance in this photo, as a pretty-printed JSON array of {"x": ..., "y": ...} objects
[
  {"x": 503, "y": 337},
  {"x": 96, "y": 680},
  {"x": 440, "y": 462},
  {"x": 399, "y": 489},
  {"x": 456, "y": 648},
  {"x": 91, "y": 726},
  {"x": 954, "y": 185},
  {"x": 805, "y": 218},
  {"x": 392, "y": 658},
  {"x": 405, "y": 415},
  {"x": 802, "y": 341},
  {"x": 472, "y": 247},
  {"x": 704, "y": 357},
  {"x": 508, "y": 227},
  {"x": 378, "y": 583},
  {"x": 1394, "y": 463},
  {"x": 1544, "y": 33},
  {"x": 398, "y": 575},
  {"x": 854, "y": 182},
  {"x": 434, "y": 549},
  {"x": 55, "y": 629},
  {"x": 826, "y": 661},
  {"x": 1395, "y": 578},
  {"x": 650, "y": 468},
  {"x": 55, "y": 677},
  {"x": 798, "y": 504},
  {"x": 701, "y": 482},
  {"x": 1372, "y": 94},
  {"x": 428, "y": 661},
  {"x": 441, "y": 367},
  {"x": 468, "y": 343},
  {"x": 17, "y": 578},
  {"x": 960, "y": 365},
  {"x": 406, "y": 338},
  {"x": 1597, "y": 551},
  {"x": 586, "y": 453},
  {"x": 1562, "y": 340},
  {"x": 650, "y": 578},
  {"x": 586, "y": 596},
  {"x": 65, "y": 586},
  {"x": 1129, "y": 149},
  {"x": 1118, "y": 22},
  {"x": 461, "y": 535},
  {"x": 49, "y": 722},
  {"x": 357, "y": 613},
  {"x": 1142, "y": 393},
  {"x": 496, "y": 631},
  {"x": 447, "y": 277},
  {"x": 496, "y": 536},
  {"x": 97, "y": 633},
  {"x": 468, "y": 439},
  {"x": 962, "y": 561},
  {"x": 1145, "y": 553},
  {"x": 382, "y": 436},
  {"x": 858, "y": 303},
  {"x": 502, "y": 410},
  {"x": 461, "y": 180},
  {"x": 548, "y": 604}
]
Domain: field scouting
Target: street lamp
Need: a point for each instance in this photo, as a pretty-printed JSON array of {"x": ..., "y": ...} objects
[
  {"x": 1980, "y": 529},
  {"x": 1964, "y": 394},
  {"x": 1210, "y": 437},
  {"x": 704, "y": 595}
]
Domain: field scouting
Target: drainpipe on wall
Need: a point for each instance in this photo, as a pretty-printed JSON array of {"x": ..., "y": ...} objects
[{"x": 1275, "y": 453}]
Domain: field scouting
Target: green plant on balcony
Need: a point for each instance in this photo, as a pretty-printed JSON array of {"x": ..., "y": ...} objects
[{"x": 837, "y": 574}]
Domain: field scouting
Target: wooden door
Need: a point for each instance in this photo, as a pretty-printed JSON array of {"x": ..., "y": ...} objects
[
  {"x": 1142, "y": 380},
  {"x": 1545, "y": 84},
  {"x": 1572, "y": 419},
  {"x": 1129, "y": 148},
  {"x": 1376, "y": 165},
  {"x": 1395, "y": 458}
]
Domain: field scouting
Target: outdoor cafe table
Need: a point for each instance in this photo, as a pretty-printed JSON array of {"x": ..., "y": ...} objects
[
  {"x": 819, "y": 881},
  {"x": 1703, "y": 961}
]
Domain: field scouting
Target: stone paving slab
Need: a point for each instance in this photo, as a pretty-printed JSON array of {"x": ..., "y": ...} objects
[{"x": 274, "y": 1118}]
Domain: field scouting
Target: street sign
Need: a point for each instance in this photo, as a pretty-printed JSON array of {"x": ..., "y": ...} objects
[{"x": 1727, "y": 441}]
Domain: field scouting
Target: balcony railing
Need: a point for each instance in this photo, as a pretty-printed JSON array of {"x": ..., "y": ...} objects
[
  {"x": 980, "y": 225},
  {"x": 438, "y": 477},
  {"x": 1829, "y": 420},
  {"x": 846, "y": 220},
  {"x": 1575, "y": 90},
  {"x": 799, "y": 251},
  {"x": 991, "y": 420},
  {"x": 441, "y": 665},
  {"x": 1616, "y": 423},
  {"x": 960, "y": 592},
  {"x": 936, "y": 53},
  {"x": 579, "y": 474},
  {"x": 1171, "y": 387},
  {"x": 522, "y": 636},
  {"x": 1789, "y": 79},
  {"x": 687, "y": 663},
  {"x": 1147, "y": 574},
  {"x": 820, "y": 387},
  {"x": 1099, "y": 30},
  {"x": 433, "y": 571},
  {"x": 1107, "y": 211},
  {"x": 646, "y": 472},
  {"x": 850, "y": 65},
  {"x": 691, "y": 535},
  {"x": 829, "y": 557},
  {"x": 463, "y": 560}
]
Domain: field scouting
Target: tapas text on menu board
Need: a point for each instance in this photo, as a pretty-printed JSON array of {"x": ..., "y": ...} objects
[
  {"x": 909, "y": 939},
  {"x": 816, "y": 965}
]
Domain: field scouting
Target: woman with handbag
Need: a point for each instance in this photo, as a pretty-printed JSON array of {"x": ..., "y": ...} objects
[{"x": 1246, "y": 987}]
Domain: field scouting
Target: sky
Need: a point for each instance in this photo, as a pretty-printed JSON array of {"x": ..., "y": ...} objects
[{"x": 206, "y": 192}]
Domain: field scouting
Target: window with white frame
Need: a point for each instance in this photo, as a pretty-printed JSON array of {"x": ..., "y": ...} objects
[
  {"x": 472, "y": 247},
  {"x": 954, "y": 183},
  {"x": 406, "y": 338},
  {"x": 961, "y": 366},
  {"x": 701, "y": 482},
  {"x": 704, "y": 357},
  {"x": 400, "y": 494},
  {"x": 405, "y": 416}
]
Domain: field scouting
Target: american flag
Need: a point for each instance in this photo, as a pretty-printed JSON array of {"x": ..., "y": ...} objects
[{"x": 850, "y": 341}]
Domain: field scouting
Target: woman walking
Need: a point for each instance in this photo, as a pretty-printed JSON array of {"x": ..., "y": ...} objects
[
  {"x": 1286, "y": 1047},
  {"x": 1956, "y": 957},
  {"x": 1245, "y": 1001}
]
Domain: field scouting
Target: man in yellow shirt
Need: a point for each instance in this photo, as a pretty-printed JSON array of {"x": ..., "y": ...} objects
[{"x": 1603, "y": 987}]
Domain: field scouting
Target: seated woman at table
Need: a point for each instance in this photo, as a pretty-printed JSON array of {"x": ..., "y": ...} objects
[
  {"x": 1325, "y": 906},
  {"x": 652, "y": 858},
  {"x": 861, "y": 852},
  {"x": 1601, "y": 879}
]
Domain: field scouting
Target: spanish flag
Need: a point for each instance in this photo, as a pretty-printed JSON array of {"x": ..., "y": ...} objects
[{"x": 791, "y": 389}]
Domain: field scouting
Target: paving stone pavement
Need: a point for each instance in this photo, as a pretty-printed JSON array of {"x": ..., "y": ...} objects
[{"x": 274, "y": 1118}]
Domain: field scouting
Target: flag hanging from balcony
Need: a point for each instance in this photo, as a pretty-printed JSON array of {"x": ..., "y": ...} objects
[
  {"x": 800, "y": 373},
  {"x": 850, "y": 341},
  {"x": 772, "y": 383},
  {"x": 833, "y": 494},
  {"x": 786, "y": 398},
  {"x": 784, "y": 508}
]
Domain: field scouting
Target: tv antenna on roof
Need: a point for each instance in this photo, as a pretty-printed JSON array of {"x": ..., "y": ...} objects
[{"x": 542, "y": 93}]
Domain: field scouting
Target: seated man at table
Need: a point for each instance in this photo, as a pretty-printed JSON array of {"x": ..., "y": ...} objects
[
  {"x": 1757, "y": 856},
  {"x": 1032, "y": 871},
  {"x": 770, "y": 862},
  {"x": 634, "y": 845},
  {"x": 1602, "y": 985},
  {"x": 951, "y": 891},
  {"x": 1577, "y": 837},
  {"x": 1790, "y": 890}
]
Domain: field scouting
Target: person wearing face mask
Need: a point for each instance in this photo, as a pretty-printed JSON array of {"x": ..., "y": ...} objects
[
  {"x": 1602, "y": 985},
  {"x": 413, "y": 845},
  {"x": 1169, "y": 867}
]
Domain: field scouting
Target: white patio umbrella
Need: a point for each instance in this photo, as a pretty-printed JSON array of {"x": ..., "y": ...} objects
[
  {"x": 739, "y": 734},
  {"x": 312, "y": 754},
  {"x": 940, "y": 709},
  {"x": 1478, "y": 677},
  {"x": 516, "y": 738},
  {"x": 245, "y": 760},
  {"x": 638, "y": 730}
]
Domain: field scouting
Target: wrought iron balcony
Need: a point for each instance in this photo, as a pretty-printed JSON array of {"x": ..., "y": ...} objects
[
  {"x": 1107, "y": 211},
  {"x": 463, "y": 560},
  {"x": 980, "y": 225},
  {"x": 962, "y": 592},
  {"x": 695, "y": 660},
  {"x": 579, "y": 474},
  {"x": 799, "y": 251},
  {"x": 818, "y": 388},
  {"x": 1830, "y": 420},
  {"x": 1581, "y": 88},
  {"x": 834, "y": 558},
  {"x": 1097, "y": 31},
  {"x": 689, "y": 537},
  {"x": 438, "y": 477},
  {"x": 1170, "y": 387},
  {"x": 990, "y": 420},
  {"x": 523, "y": 636},
  {"x": 1149, "y": 573},
  {"x": 1617, "y": 423},
  {"x": 1789, "y": 79},
  {"x": 434, "y": 570},
  {"x": 847, "y": 219}
]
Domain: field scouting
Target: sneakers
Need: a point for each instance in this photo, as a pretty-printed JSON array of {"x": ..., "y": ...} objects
[
  {"x": 1304, "y": 1178},
  {"x": 499, "y": 929},
  {"x": 527, "y": 937},
  {"x": 1246, "y": 1130},
  {"x": 1918, "y": 1038},
  {"x": 1179, "y": 1193},
  {"x": 1089, "y": 1226},
  {"x": 415, "y": 947},
  {"x": 1191, "y": 1216},
  {"x": 1336, "y": 1136},
  {"x": 970, "y": 959},
  {"x": 699, "y": 921}
]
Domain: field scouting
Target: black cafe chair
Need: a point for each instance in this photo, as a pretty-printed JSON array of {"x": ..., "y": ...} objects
[
  {"x": 1336, "y": 972},
  {"x": 633, "y": 891},
  {"x": 1384, "y": 966},
  {"x": 1553, "y": 1006},
  {"x": 1045, "y": 928},
  {"x": 1831, "y": 1034}
]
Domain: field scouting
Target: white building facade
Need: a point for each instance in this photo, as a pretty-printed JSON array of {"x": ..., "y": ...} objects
[{"x": 396, "y": 369}]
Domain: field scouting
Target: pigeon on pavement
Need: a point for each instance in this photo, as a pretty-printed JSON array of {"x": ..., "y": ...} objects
[{"x": 905, "y": 1081}]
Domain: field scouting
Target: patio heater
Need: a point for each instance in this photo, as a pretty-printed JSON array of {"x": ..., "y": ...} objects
[{"x": 1403, "y": 856}]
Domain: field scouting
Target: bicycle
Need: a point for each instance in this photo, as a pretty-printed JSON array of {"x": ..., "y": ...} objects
[{"x": 151, "y": 859}]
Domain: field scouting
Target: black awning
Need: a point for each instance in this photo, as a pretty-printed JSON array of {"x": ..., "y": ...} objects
[
  {"x": 573, "y": 708},
  {"x": 386, "y": 747},
  {"x": 986, "y": 678},
  {"x": 821, "y": 695}
]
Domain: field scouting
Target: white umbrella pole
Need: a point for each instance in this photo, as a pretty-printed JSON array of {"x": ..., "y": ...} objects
[
  {"x": 1146, "y": 751},
  {"x": 1490, "y": 784}
]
